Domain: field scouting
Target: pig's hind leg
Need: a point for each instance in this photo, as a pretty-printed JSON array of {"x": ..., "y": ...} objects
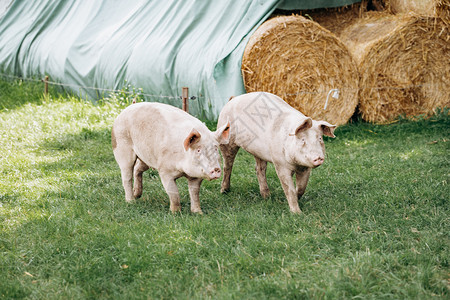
[
  {"x": 126, "y": 159},
  {"x": 261, "y": 167},
  {"x": 229, "y": 152},
  {"x": 139, "y": 168}
]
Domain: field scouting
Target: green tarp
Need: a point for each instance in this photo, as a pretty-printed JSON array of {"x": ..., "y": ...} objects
[{"x": 159, "y": 46}]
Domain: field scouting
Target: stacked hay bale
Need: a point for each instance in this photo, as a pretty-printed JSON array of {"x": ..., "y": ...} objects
[
  {"x": 404, "y": 64},
  {"x": 300, "y": 61},
  {"x": 403, "y": 59},
  {"x": 336, "y": 19},
  {"x": 430, "y": 8}
]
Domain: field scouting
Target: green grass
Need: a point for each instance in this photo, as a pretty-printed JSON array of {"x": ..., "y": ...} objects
[{"x": 375, "y": 220}]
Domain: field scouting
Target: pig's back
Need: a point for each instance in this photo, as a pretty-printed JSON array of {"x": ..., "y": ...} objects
[
  {"x": 259, "y": 108},
  {"x": 252, "y": 117},
  {"x": 157, "y": 131},
  {"x": 161, "y": 119},
  {"x": 259, "y": 121}
]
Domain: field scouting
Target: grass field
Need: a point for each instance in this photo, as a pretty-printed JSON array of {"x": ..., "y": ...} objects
[{"x": 375, "y": 222}]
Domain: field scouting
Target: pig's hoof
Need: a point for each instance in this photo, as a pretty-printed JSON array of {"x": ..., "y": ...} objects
[
  {"x": 224, "y": 190},
  {"x": 130, "y": 201},
  {"x": 296, "y": 211},
  {"x": 175, "y": 209},
  {"x": 197, "y": 212},
  {"x": 265, "y": 193},
  {"x": 137, "y": 194}
]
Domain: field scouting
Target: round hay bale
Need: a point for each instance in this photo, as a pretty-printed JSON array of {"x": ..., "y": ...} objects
[
  {"x": 404, "y": 63},
  {"x": 300, "y": 61},
  {"x": 430, "y": 8}
]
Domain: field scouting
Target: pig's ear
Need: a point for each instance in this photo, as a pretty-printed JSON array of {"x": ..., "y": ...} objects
[
  {"x": 306, "y": 124},
  {"x": 327, "y": 128},
  {"x": 223, "y": 134},
  {"x": 192, "y": 138}
]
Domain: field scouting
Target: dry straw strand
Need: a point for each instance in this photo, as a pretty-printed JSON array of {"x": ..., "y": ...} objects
[{"x": 300, "y": 61}]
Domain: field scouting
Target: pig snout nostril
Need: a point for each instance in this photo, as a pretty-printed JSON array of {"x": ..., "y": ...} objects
[
  {"x": 215, "y": 173},
  {"x": 318, "y": 161}
]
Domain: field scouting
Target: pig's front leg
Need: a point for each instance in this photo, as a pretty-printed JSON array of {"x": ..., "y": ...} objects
[
  {"x": 301, "y": 178},
  {"x": 171, "y": 188},
  {"x": 285, "y": 176},
  {"x": 194, "y": 191}
]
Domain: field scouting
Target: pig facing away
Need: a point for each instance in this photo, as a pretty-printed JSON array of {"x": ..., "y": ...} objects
[
  {"x": 272, "y": 131},
  {"x": 169, "y": 140}
]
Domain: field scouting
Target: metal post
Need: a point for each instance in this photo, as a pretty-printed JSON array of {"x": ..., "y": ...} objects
[{"x": 185, "y": 96}]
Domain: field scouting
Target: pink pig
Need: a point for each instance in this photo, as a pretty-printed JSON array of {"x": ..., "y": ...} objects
[
  {"x": 154, "y": 135},
  {"x": 272, "y": 131}
]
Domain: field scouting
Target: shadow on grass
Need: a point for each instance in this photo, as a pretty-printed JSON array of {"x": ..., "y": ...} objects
[
  {"x": 87, "y": 160},
  {"x": 89, "y": 171}
]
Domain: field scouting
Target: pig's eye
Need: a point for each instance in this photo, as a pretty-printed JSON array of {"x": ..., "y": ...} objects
[{"x": 199, "y": 150}]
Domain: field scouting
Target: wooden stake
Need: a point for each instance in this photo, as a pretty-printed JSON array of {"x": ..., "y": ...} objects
[
  {"x": 185, "y": 96},
  {"x": 46, "y": 85}
]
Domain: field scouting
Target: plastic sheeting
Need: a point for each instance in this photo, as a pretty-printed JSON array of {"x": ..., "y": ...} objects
[
  {"x": 159, "y": 46},
  {"x": 312, "y": 4}
]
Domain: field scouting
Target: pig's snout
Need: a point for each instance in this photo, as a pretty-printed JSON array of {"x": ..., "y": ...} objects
[
  {"x": 214, "y": 173},
  {"x": 318, "y": 161}
]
